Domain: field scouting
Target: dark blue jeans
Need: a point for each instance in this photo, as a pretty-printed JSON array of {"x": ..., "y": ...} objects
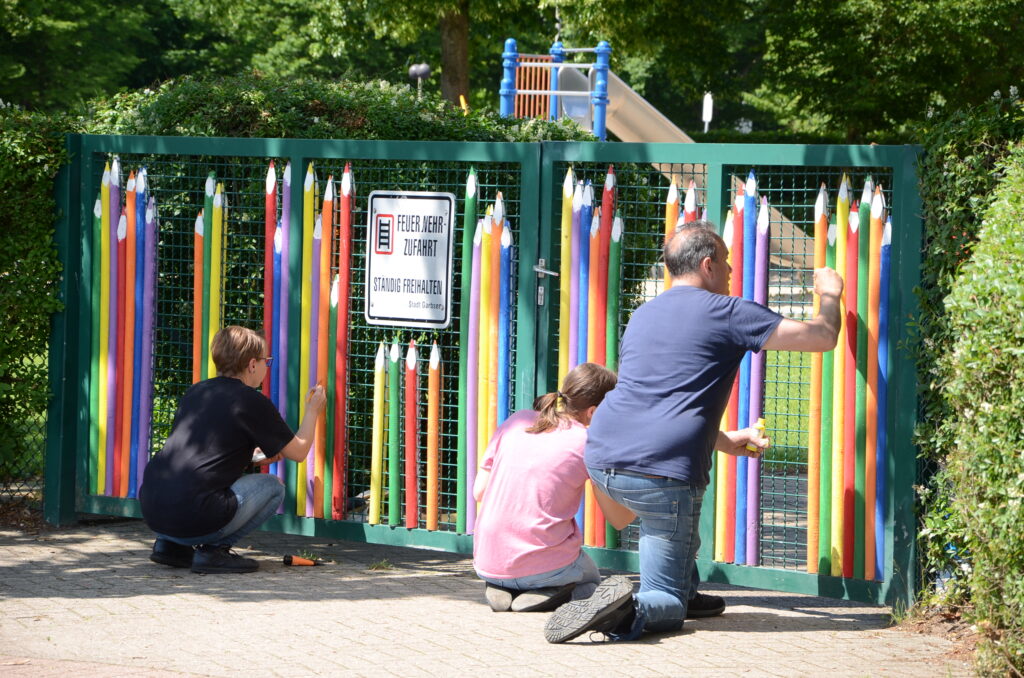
[
  {"x": 669, "y": 512},
  {"x": 258, "y": 495}
]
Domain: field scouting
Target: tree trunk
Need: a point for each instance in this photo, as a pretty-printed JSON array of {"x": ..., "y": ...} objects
[{"x": 455, "y": 53}]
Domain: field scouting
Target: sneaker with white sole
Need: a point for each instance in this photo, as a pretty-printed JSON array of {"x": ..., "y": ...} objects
[{"x": 611, "y": 601}]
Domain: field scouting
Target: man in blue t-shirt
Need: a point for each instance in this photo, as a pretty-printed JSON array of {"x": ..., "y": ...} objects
[{"x": 650, "y": 442}]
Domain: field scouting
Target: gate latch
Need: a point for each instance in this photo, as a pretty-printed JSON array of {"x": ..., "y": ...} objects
[{"x": 539, "y": 269}]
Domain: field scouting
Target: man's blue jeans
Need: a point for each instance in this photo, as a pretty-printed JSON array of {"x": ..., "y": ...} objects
[
  {"x": 258, "y": 495},
  {"x": 669, "y": 512}
]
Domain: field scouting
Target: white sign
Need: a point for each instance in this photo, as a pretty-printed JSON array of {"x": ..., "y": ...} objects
[{"x": 409, "y": 259}]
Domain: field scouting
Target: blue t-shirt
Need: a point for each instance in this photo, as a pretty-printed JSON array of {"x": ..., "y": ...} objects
[{"x": 679, "y": 356}]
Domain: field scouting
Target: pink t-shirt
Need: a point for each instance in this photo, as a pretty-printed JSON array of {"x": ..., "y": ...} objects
[{"x": 526, "y": 523}]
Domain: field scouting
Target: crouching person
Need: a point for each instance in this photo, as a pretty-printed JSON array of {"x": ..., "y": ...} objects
[
  {"x": 527, "y": 545},
  {"x": 194, "y": 493}
]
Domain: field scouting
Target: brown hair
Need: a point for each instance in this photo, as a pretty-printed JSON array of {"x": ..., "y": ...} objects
[
  {"x": 584, "y": 386},
  {"x": 233, "y": 347}
]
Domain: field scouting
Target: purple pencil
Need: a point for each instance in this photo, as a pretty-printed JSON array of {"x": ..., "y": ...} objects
[
  {"x": 757, "y": 365},
  {"x": 146, "y": 364},
  {"x": 282, "y": 326},
  {"x": 574, "y": 275},
  {"x": 472, "y": 368},
  {"x": 115, "y": 218}
]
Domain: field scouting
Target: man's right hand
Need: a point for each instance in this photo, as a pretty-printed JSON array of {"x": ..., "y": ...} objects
[{"x": 827, "y": 281}]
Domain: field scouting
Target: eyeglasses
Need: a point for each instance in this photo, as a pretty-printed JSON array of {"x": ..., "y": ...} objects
[{"x": 269, "y": 360}]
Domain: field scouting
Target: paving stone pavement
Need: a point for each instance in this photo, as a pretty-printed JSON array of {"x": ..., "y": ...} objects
[{"x": 86, "y": 601}]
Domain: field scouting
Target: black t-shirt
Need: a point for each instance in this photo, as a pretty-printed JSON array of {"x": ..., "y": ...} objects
[
  {"x": 186, "y": 488},
  {"x": 680, "y": 353}
]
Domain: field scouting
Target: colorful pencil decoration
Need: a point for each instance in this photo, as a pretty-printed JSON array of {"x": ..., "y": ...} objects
[
  {"x": 565, "y": 271},
  {"x": 394, "y": 438},
  {"x": 847, "y": 396},
  {"x": 339, "y": 488},
  {"x": 377, "y": 440},
  {"x": 757, "y": 375},
  {"x": 433, "y": 436},
  {"x": 463, "y": 464},
  {"x": 814, "y": 478},
  {"x": 122, "y": 273},
  {"x": 412, "y": 437},
  {"x": 671, "y": 217}
]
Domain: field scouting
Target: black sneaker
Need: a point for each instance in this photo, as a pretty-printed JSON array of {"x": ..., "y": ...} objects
[
  {"x": 702, "y": 605},
  {"x": 612, "y": 600},
  {"x": 217, "y": 559},
  {"x": 171, "y": 553}
]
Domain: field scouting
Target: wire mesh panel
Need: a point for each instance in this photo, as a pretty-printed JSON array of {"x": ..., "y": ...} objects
[
  {"x": 811, "y": 510},
  {"x": 178, "y": 183}
]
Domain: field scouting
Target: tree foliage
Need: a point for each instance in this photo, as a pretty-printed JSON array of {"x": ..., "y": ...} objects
[{"x": 860, "y": 66}]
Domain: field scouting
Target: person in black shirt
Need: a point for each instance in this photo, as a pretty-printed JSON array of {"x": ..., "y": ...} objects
[{"x": 194, "y": 493}]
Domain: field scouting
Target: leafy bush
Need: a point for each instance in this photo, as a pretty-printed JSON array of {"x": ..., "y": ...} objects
[
  {"x": 252, "y": 106},
  {"x": 31, "y": 153},
  {"x": 984, "y": 373},
  {"x": 958, "y": 174}
]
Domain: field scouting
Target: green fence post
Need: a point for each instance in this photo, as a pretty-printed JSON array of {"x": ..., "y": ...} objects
[
  {"x": 65, "y": 385},
  {"x": 902, "y": 567}
]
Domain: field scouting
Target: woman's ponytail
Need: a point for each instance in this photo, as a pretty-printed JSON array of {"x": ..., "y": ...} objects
[{"x": 583, "y": 387}]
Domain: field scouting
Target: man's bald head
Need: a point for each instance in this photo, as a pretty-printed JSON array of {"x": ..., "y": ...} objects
[{"x": 690, "y": 245}]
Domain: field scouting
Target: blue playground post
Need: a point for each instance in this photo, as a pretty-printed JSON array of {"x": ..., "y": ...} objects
[
  {"x": 600, "y": 94},
  {"x": 557, "y": 52},
  {"x": 507, "y": 93}
]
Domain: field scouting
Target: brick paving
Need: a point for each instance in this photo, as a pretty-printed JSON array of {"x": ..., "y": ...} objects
[{"x": 86, "y": 601}]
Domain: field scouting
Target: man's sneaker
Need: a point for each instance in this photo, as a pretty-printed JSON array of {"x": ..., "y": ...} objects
[
  {"x": 217, "y": 559},
  {"x": 542, "y": 600},
  {"x": 702, "y": 605},
  {"x": 171, "y": 553},
  {"x": 500, "y": 599},
  {"x": 612, "y": 600}
]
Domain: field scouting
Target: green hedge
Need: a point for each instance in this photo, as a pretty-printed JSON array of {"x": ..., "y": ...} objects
[
  {"x": 958, "y": 174},
  {"x": 252, "y": 106},
  {"x": 985, "y": 389},
  {"x": 31, "y": 153}
]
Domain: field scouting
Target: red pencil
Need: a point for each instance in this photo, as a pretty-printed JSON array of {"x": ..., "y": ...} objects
[
  {"x": 269, "y": 223},
  {"x": 850, "y": 394},
  {"x": 412, "y": 437},
  {"x": 339, "y": 465}
]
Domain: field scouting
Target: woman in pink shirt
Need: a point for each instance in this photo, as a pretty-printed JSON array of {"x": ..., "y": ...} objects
[{"x": 527, "y": 545}]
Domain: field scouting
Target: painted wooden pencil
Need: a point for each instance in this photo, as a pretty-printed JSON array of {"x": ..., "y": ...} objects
[
  {"x": 412, "y": 437},
  {"x": 565, "y": 271},
  {"x": 839, "y": 386},
  {"x": 504, "y": 323},
  {"x": 462, "y": 488},
  {"x": 757, "y": 375},
  {"x": 671, "y": 217},
  {"x": 473, "y": 448},
  {"x": 95, "y": 259},
  {"x": 871, "y": 413},
  {"x": 149, "y": 278},
  {"x": 340, "y": 460},
  {"x": 881, "y": 453},
  {"x": 433, "y": 436},
  {"x": 749, "y": 254},
  {"x": 394, "y": 438},
  {"x": 209, "y": 189},
  {"x": 574, "y": 277},
  {"x": 850, "y": 396},
  {"x": 269, "y": 226},
  {"x": 120, "y": 454},
  {"x": 814, "y": 478},
  {"x": 377, "y": 437}
]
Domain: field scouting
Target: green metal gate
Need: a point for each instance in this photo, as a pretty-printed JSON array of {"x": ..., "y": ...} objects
[{"x": 529, "y": 177}]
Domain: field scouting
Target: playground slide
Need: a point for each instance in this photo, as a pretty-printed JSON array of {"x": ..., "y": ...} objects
[{"x": 632, "y": 118}]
